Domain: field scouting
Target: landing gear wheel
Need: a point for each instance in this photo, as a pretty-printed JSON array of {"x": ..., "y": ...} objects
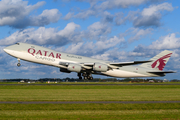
[
  {"x": 90, "y": 78},
  {"x": 84, "y": 74},
  {"x": 18, "y": 64}
]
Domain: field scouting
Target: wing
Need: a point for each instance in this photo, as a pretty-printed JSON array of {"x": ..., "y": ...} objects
[
  {"x": 120, "y": 64},
  {"x": 112, "y": 65}
]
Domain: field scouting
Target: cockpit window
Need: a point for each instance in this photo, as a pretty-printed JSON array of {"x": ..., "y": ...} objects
[{"x": 17, "y": 43}]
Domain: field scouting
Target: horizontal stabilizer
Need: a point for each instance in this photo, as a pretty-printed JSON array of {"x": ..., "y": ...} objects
[{"x": 160, "y": 73}]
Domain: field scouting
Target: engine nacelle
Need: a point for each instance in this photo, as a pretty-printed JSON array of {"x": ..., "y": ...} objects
[
  {"x": 100, "y": 67},
  {"x": 74, "y": 67},
  {"x": 64, "y": 70}
]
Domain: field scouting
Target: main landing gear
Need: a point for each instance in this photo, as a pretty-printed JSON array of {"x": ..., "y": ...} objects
[
  {"x": 18, "y": 62},
  {"x": 85, "y": 75},
  {"x": 79, "y": 75}
]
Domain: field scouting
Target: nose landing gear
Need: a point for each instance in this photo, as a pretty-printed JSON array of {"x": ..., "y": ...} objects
[{"x": 18, "y": 62}]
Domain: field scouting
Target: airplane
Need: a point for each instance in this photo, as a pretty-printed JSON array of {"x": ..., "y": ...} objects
[{"x": 85, "y": 66}]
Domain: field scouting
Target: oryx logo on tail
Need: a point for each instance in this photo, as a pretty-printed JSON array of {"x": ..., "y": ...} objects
[{"x": 161, "y": 62}]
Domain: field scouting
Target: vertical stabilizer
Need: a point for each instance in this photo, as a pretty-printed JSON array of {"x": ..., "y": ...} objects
[{"x": 159, "y": 61}]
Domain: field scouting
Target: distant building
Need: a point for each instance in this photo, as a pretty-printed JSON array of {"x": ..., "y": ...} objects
[
  {"x": 151, "y": 81},
  {"x": 22, "y": 81},
  {"x": 165, "y": 80}
]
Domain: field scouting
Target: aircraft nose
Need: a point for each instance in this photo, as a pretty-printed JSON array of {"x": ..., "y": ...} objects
[
  {"x": 5, "y": 49},
  {"x": 8, "y": 49}
]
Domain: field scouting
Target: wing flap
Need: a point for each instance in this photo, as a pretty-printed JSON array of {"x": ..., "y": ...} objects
[{"x": 88, "y": 64}]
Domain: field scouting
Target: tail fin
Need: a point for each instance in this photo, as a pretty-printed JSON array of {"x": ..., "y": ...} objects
[{"x": 159, "y": 61}]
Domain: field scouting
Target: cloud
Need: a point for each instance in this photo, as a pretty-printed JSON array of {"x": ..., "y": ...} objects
[
  {"x": 3, "y": 56},
  {"x": 170, "y": 42},
  {"x": 154, "y": 9},
  {"x": 167, "y": 42},
  {"x": 16, "y": 14},
  {"x": 136, "y": 54},
  {"x": 45, "y": 36},
  {"x": 141, "y": 52},
  {"x": 68, "y": 16},
  {"x": 98, "y": 9},
  {"x": 148, "y": 17},
  {"x": 151, "y": 16},
  {"x": 137, "y": 33},
  {"x": 107, "y": 17},
  {"x": 143, "y": 21},
  {"x": 108, "y": 43},
  {"x": 91, "y": 2},
  {"x": 85, "y": 14},
  {"x": 98, "y": 29},
  {"x": 45, "y": 18},
  {"x": 111, "y": 4},
  {"x": 133, "y": 34},
  {"x": 119, "y": 18},
  {"x": 90, "y": 48},
  {"x": 114, "y": 55},
  {"x": 104, "y": 56},
  {"x": 52, "y": 36}
]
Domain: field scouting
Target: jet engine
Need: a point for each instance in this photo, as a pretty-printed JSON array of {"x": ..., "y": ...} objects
[
  {"x": 74, "y": 67},
  {"x": 64, "y": 70},
  {"x": 100, "y": 67}
]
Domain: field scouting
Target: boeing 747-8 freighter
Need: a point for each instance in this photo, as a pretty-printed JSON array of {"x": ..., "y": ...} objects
[{"x": 85, "y": 66}]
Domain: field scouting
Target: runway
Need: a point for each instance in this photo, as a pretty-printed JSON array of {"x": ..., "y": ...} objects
[{"x": 84, "y": 102}]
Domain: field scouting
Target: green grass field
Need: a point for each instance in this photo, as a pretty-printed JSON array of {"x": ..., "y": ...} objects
[
  {"x": 90, "y": 111},
  {"x": 166, "y": 111},
  {"x": 90, "y": 93}
]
